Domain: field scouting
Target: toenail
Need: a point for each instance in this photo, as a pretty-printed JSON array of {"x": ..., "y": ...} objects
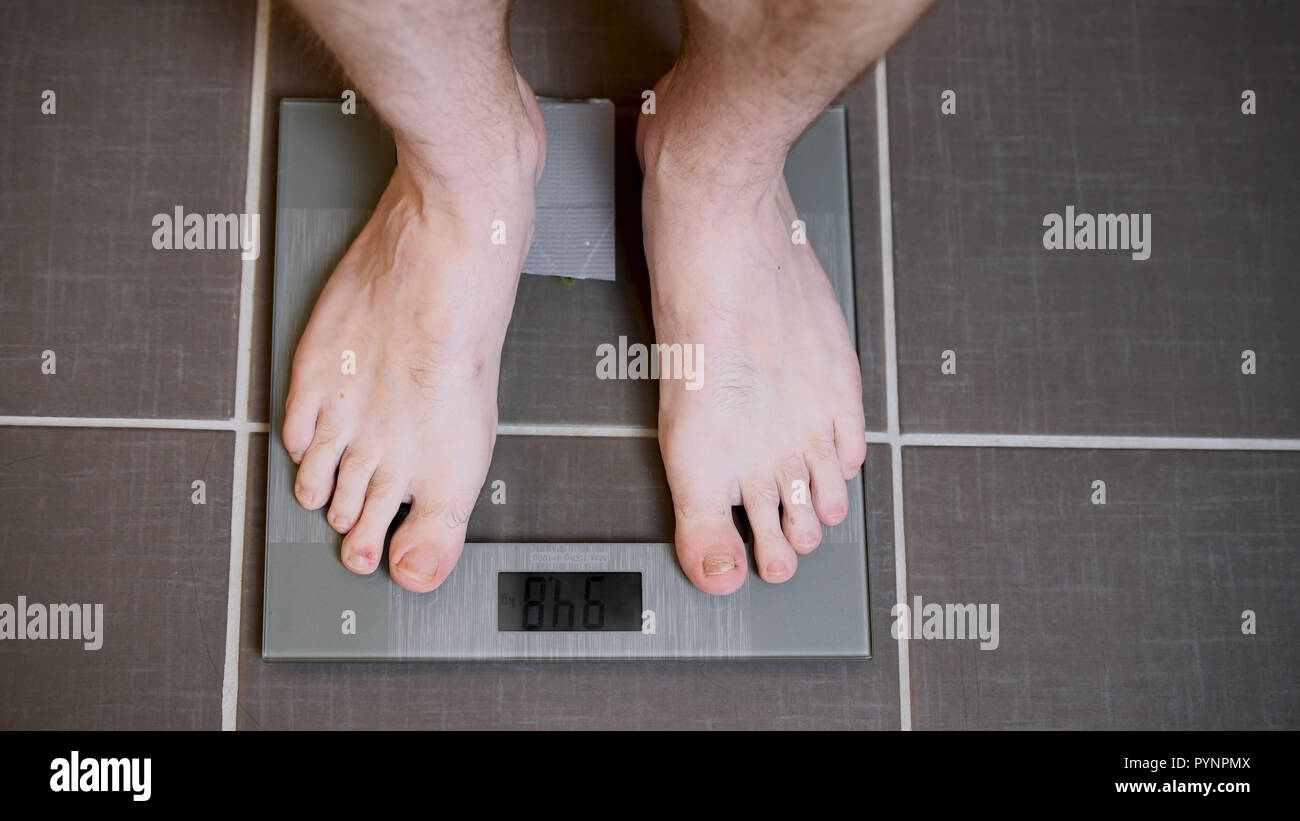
[
  {"x": 715, "y": 564},
  {"x": 809, "y": 539},
  {"x": 358, "y": 561},
  {"x": 777, "y": 572},
  {"x": 296, "y": 456},
  {"x": 420, "y": 565}
]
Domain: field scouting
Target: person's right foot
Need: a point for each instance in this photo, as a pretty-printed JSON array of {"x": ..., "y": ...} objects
[{"x": 421, "y": 301}]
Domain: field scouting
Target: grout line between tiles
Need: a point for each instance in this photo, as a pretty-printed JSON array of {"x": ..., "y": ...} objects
[
  {"x": 900, "y": 588},
  {"x": 891, "y": 381},
  {"x": 922, "y": 440},
  {"x": 131, "y": 423},
  {"x": 1066, "y": 442},
  {"x": 243, "y": 372}
]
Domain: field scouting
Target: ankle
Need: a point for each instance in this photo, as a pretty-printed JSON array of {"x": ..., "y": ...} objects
[
  {"x": 474, "y": 152},
  {"x": 699, "y": 151},
  {"x": 510, "y": 156}
]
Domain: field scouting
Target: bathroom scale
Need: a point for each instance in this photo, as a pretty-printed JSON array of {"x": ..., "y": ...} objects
[{"x": 532, "y": 600}]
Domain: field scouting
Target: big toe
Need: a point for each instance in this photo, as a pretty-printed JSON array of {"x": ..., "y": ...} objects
[
  {"x": 709, "y": 548},
  {"x": 426, "y": 547}
]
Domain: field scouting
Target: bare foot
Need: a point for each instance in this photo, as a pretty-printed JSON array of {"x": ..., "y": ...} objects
[
  {"x": 421, "y": 301},
  {"x": 778, "y": 419}
]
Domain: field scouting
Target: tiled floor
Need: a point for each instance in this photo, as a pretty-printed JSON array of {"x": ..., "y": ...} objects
[
  {"x": 1109, "y": 107},
  {"x": 981, "y": 487},
  {"x": 112, "y": 517},
  {"x": 150, "y": 112},
  {"x": 1123, "y": 614}
]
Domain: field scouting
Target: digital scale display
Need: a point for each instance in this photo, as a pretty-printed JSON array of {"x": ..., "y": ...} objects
[{"x": 568, "y": 602}]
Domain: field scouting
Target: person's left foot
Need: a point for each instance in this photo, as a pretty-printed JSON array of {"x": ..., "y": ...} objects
[{"x": 778, "y": 419}]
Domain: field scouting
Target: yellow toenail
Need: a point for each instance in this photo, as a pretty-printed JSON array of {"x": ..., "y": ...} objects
[
  {"x": 421, "y": 568},
  {"x": 715, "y": 564},
  {"x": 776, "y": 572}
]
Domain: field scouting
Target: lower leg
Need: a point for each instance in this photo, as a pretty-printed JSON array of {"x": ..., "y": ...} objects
[
  {"x": 423, "y": 296},
  {"x": 779, "y": 419},
  {"x": 440, "y": 74},
  {"x": 751, "y": 77}
]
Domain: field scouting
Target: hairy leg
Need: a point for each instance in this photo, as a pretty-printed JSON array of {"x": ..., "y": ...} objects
[
  {"x": 780, "y": 410},
  {"x": 425, "y": 292}
]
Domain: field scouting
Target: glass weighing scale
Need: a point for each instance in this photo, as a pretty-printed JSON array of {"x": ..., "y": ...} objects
[{"x": 532, "y": 600}]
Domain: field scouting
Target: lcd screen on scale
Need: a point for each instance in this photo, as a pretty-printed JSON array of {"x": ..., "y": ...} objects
[{"x": 568, "y": 601}]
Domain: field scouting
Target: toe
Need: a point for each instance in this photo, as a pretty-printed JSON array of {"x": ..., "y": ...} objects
[
  {"x": 775, "y": 558},
  {"x": 429, "y": 543},
  {"x": 300, "y": 412},
  {"x": 355, "y": 470},
  {"x": 830, "y": 496},
  {"x": 364, "y": 543},
  {"x": 315, "y": 480},
  {"x": 799, "y": 520},
  {"x": 709, "y": 549},
  {"x": 851, "y": 441}
]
